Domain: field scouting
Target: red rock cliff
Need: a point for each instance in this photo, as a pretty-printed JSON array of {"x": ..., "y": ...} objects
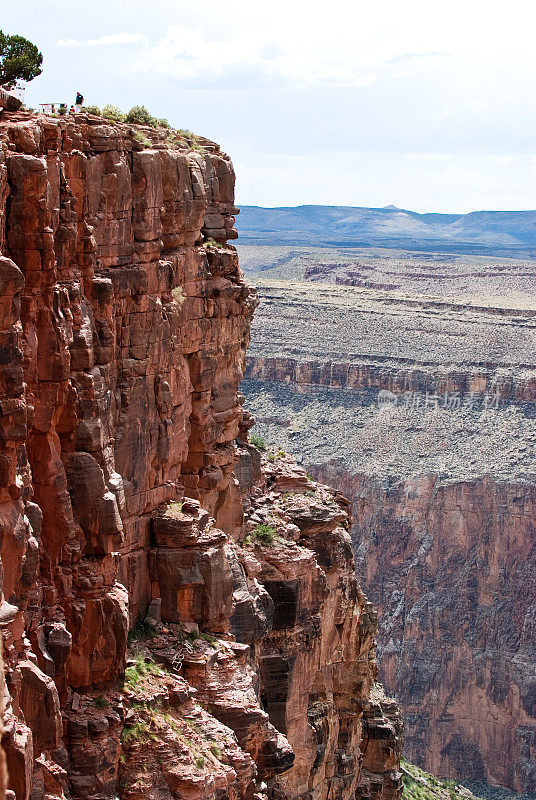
[{"x": 125, "y": 321}]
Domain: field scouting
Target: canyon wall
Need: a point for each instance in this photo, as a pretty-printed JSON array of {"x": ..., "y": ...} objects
[
  {"x": 451, "y": 568},
  {"x": 155, "y": 643},
  {"x": 422, "y": 412},
  {"x": 392, "y": 375}
]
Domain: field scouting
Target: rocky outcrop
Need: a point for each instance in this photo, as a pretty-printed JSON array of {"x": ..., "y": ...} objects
[
  {"x": 148, "y": 652},
  {"x": 316, "y": 660},
  {"x": 9, "y": 101}
]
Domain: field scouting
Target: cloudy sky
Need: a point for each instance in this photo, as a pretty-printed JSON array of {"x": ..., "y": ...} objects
[{"x": 426, "y": 105}]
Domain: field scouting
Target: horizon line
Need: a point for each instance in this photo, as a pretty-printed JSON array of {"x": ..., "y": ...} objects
[{"x": 393, "y": 208}]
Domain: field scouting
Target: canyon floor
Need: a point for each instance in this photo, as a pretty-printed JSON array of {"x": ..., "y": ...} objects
[
  {"x": 408, "y": 381},
  {"x": 455, "y": 275}
]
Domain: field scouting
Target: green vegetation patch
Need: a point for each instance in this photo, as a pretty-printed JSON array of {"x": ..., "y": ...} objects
[
  {"x": 136, "y": 674},
  {"x": 207, "y": 637},
  {"x": 140, "y": 115},
  {"x": 142, "y": 139},
  {"x": 420, "y": 785},
  {"x": 19, "y": 60},
  {"x": 134, "y": 733},
  {"x": 212, "y": 244},
  {"x": 113, "y": 113},
  {"x": 261, "y": 535},
  {"x": 258, "y": 442},
  {"x": 100, "y": 701},
  {"x": 194, "y": 636},
  {"x": 215, "y": 750},
  {"x": 276, "y": 455}
]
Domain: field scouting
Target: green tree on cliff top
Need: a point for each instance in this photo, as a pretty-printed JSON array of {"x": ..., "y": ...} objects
[{"x": 19, "y": 60}]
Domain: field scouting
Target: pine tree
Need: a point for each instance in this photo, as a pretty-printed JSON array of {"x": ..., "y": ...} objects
[{"x": 19, "y": 60}]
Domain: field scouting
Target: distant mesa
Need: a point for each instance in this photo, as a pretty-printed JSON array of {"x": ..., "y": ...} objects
[{"x": 480, "y": 232}]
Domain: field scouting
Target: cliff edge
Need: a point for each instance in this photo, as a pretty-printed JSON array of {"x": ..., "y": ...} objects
[{"x": 180, "y": 617}]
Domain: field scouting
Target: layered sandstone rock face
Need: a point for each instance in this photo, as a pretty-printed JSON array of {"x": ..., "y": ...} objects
[
  {"x": 125, "y": 321},
  {"x": 453, "y": 579},
  {"x": 422, "y": 411}
]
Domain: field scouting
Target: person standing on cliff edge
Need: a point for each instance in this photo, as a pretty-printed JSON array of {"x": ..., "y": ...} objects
[{"x": 79, "y": 102}]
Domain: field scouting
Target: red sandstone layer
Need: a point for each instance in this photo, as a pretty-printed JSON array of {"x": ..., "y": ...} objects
[{"x": 394, "y": 376}]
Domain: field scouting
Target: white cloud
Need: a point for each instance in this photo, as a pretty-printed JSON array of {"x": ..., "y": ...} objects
[
  {"x": 407, "y": 58},
  {"x": 188, "y": 53},
  {"x": 505, "y": 159},
  {"x": 111, "y": 39},
  {"x": 287, "y": 45},
  {"x": 118, "y": 38},
  {"x": 428, "y": 156}
]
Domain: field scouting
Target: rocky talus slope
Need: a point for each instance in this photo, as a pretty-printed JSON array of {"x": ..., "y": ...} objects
[
  {"x": 171, "y": 629},
  {"x": 422, "y": 411},
  {"x": 419, "y": 785}
]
